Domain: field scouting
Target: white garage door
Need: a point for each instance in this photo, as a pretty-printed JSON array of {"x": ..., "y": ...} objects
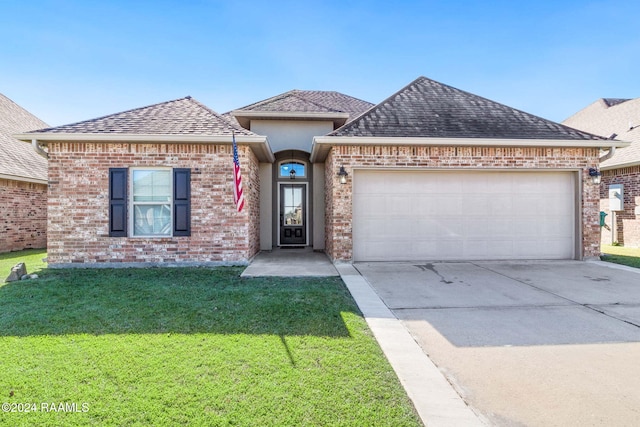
[{"x": 426, "y": 215}]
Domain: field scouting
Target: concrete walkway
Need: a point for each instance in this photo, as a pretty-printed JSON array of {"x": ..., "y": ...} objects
[
  {"x": 435, "y": 400},
  {"x": 294, "y": 262}
]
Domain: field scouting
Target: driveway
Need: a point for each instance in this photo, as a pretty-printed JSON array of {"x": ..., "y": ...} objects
[{"x": 525, "y": 343}]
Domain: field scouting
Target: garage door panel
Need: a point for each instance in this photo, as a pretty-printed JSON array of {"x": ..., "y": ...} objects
[
  {"x": 478, "y": 205},
  {"x": 421, "y": 215}
]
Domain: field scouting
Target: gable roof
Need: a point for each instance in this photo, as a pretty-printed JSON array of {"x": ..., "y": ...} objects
[
  {"x": 429, "y": 109},
  {"x": 178, "y": 121},
  {"x": 318, "y": 101},
  {"x": 307, "y": 104},
  {"x": 608, "y": 116},
  {"x": 18, "y": 160},
  {"x": 184, "y": 116}
]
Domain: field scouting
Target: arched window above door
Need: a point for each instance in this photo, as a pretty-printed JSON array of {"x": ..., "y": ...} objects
[{"x": 290, "y": 167}]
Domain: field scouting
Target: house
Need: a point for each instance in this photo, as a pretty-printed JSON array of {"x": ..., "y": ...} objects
[
  {"x": 617, "y": 118},
  {"x": 431, "y": 173},
  {"x": 23, "y": 182}
]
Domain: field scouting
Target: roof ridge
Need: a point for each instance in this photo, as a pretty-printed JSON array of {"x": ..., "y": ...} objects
[
  {"x": 316, "y": 103},
  {"x": 218, "y": 115},
  {"x": 264, "y": 101},
  {"x": 375, "y": 107}
]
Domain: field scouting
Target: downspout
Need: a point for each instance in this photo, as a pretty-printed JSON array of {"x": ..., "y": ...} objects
[
  {"x": 38, "y": 148},
  {"x": 612, "y": 151}
]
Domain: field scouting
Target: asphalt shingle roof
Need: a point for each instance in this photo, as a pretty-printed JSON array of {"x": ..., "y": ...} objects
[
  {"x": 311, "y": 101},
  {"x": 18, "y": 158},
  {"x": 426, "y": 108},
  {"x": 606, "y": 117},
  {"x": 184, "y": 116}
]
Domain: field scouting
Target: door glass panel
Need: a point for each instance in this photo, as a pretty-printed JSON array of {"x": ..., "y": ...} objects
[{"x": 293, "y": 214}]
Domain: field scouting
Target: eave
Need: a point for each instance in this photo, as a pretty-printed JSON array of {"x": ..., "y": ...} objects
[
  {"x": 244, "y": 117},
  {"x": 322, "y": 144},
  {"x": 259, "y": 144},
  {"x": 620, "y": 165},
  {"x": 23, "y": 178}
]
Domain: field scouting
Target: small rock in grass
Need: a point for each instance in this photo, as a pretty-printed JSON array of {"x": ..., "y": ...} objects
[{"x": 17, "y": 272}]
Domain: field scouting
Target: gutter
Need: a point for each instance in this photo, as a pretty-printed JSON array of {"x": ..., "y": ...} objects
[
  {"x": 36, "y": 146},
  {"x": 323, "y": 144}
]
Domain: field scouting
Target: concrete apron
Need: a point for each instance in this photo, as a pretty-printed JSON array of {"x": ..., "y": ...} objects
[
  {"x": 525, "y": 343},
  {"x": 436, "y": 402}
]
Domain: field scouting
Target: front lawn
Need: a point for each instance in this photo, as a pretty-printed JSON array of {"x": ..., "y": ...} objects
[
  {"x": 621, "y": 255},
  {"x": 153, "y": 347}
]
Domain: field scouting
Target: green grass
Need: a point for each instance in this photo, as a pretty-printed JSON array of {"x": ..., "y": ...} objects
[
  {"x": 153, "y": 347},
  {"x": 621, "y": 255}
]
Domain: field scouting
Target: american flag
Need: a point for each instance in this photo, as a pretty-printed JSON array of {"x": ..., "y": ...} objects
[{"x": 238, "y": 198}]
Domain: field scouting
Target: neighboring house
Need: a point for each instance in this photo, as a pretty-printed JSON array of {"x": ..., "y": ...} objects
[
  {"x": 23, "y": 182},
  {"x": 431, "y": 173},
  {"x": 619, "y": 118}
]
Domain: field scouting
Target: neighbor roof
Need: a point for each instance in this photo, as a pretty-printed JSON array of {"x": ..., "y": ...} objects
[
  {"x": 608, "y": 116},
  {"x": 18, "y": 160},
  {"x": 428, "y": 109},
  {"x": 184, "y": 116}
]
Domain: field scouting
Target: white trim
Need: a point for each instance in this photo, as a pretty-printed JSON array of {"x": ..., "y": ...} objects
[
  {"x": 135, "y": 137},
  {"x": 22, "y": 178},
  {"x": 289, "y": 114},
  {"x": 259, "y": 144},
  {"x": 131, "y": 204},
  {"x": 322, "y": 144},
  {"x": 306, "y": 214}
]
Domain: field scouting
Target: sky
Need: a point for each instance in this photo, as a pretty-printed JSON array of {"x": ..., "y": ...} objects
[{"x": 68, "y": 61}]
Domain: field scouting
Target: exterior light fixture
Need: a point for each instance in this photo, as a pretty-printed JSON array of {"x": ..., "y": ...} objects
[
  {"x": 292, "y": 174},
  {"x": 595, "y": 175},
  {"x": 343, "y": 175}
]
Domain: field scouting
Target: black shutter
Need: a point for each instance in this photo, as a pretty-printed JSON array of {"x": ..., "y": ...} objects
[
  {"x": 118, "y": 202},
  {"x": 182, "y": 202}
]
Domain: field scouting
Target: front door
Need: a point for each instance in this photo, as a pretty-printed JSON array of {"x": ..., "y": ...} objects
[{"x": 293, "y": 214}]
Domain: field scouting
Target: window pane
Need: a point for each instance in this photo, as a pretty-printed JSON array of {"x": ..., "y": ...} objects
[
  {"x": 151, "y": 185},
  {"x": 285, "y": 169},
  {"x": 152, "y": 220}
]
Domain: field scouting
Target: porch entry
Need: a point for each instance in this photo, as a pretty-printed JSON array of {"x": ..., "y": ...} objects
[{"x": 293, "y": 214}]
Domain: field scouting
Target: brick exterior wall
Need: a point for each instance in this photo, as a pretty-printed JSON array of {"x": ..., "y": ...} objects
[
  {"x": 79, "y": 205},
  {"x": 627, "y": 222},
  {"x": 338, "y": 196},
  {"x": 23, "y": 215}
]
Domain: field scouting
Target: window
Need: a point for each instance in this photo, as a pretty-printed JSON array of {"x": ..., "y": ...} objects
[
  {"x": 151, "y": 202},
  {"x": 159, "y": 204},
  {"x": 288, "y": 166}
]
